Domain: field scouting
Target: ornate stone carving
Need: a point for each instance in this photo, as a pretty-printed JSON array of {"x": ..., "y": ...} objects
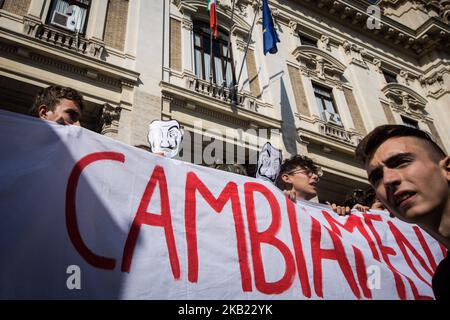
[
  {"x": 187, "y": 24},
  {"x": 431, "y": 79},
  {"x": 405, "y": 100},
  {"x": 320, "y": 67},
  {"x": 293, "y": 27},
  {"x": 318, "y": 62},
  {"x": 434, "y": 84},
  {"x": 324, "y": 43},
  {"x": 377, "y": 64},
  {"x": 256, "y": 5},
  {"x": 241, "y": 45},
  {"x": 31, "y": 25},
  {"x": 404, "y": 77},
  {"x": 275, "y": 12},
  {"x": 347, "y": 46},
  {"x": 355, "y": 53},
  {"x": 241, "y": 8},
  {"x": 353, "y": 50},
  {"x": 110, "y": 120},
  {"x": 444, "y": 10}
]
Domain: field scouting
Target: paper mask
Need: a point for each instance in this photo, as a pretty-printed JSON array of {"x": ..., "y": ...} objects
[
  {"x": 165, "y": 137},
  {"x": 269, "y": 163}
]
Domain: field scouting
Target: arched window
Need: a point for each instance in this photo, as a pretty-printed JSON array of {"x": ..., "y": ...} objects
[{"x": 204, "y": 67}]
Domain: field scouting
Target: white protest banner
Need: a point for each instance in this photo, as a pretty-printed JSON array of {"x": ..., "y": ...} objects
[{"x": 85, "y": 216}]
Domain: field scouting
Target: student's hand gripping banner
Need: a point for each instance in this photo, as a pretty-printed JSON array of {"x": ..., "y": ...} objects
[{"x": 85, "y": 216}]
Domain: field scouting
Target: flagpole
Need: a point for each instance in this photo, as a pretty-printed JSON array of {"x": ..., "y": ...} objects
[
  {"x": 248, "y": 42},
  {"x": 228, "y": 45},
  {"x": 211, "y": 57}
]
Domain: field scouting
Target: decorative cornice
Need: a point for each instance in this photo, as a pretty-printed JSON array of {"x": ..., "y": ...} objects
[
  {"x": 195, "y": 8},
  {"x": 185, "y": 7},
  {"x": 241, "y": 45},
  {"x": 29, "y": 49},
  {"x": 355, "y": 53},
  {"x": 434, "y": 34},
  {"x": 187, "y": 24},
  {"x": 404, "y": 77},
  {"x": 241, "y": 7},
  {"x": 324, "y": 43},
  {"x": 377, "y": 64},
  {"x": 434, "y": 84},
  {"x": 319, "y": 62},
  {"x": 381, "y": 63},
  {"x": 444, "y": 12},
  {"x": 405, "y": 99}
]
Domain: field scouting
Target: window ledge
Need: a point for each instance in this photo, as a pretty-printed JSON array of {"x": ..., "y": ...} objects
[
  {"x": 194, "y": 100},
  {"x": 336, "y": 133},
  {"x": 224, "y": 94},
  {"x": 10, "y": 15},
  {"x": 63, "y": 39}
]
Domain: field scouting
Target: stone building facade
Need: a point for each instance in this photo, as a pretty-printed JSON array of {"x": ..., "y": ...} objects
[{"x": 342, "y": 68}]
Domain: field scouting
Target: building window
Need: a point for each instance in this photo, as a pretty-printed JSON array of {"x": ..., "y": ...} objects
[
  {"x": 202, "y": 55},
  {"x": 70, "y": 15},
  {"x": 325, "y": 103},
  {"x": 390, "y": 77},
  {"x": 307, "y": 41},
  {"x": 410, "y": 122}
]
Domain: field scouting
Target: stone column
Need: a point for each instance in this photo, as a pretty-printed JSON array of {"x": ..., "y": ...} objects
[
  {"x": 96, "y": 21},
  {"x": 294, "y": 32},
  {"x": 35, "y": 9},
  {"x": 110, "y": 121},
  {"x": 34, "y": 17},
  {"x": 187, "y": 43}
]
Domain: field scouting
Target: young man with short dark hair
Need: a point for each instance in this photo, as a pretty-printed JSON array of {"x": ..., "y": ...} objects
[
  {"x": 299, "y": 176},
  {"x": 63, "y": 105},
  {"x": 410, "y": 174}
]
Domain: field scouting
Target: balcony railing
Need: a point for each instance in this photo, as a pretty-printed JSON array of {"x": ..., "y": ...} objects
[
  {"x": 338, "y": 133},
  {"x": 64, "y": 39},
  {"x": 335, "y": 132},
  {"x": 225, "y": 94},
  {"x": 213, "y": 90}
]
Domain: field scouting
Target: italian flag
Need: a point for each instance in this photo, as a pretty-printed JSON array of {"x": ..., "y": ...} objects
[{"x": 213, "y": 16}]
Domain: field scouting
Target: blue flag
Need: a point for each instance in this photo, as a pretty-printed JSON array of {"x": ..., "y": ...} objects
[{"x": 269, "y": 33}]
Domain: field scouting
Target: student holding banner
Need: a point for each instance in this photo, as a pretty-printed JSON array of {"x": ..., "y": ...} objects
[
  {"x": 411, "y": 176},
  {"x": 299, "y": 177},
  {"x": 62, "y": 105}
]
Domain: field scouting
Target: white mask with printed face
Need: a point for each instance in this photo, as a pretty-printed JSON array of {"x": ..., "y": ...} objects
[
  {"x": 165, "y": 137},
  {"x": 269, "y": 163}
]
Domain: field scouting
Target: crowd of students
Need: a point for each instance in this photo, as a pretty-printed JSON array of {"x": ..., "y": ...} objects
[{"x": 408, "y": 172}]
